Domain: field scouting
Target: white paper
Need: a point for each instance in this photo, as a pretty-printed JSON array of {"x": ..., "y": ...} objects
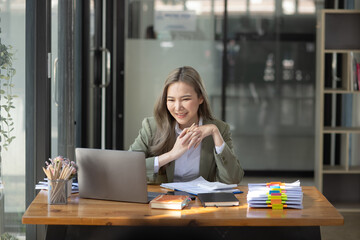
[
  {"x": 183, "y": 21},
  {"x": 258, "y": 195},
  {"x": 197, "y": 186}
]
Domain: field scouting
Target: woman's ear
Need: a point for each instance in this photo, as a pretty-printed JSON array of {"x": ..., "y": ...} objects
[{"x": 201, "y": 100}]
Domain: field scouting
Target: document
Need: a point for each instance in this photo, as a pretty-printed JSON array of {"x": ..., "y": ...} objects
[
  {"x": 200, "y": 185},
  {"x": 212, "y": 186},
  {"x": 275, "y": 194}
]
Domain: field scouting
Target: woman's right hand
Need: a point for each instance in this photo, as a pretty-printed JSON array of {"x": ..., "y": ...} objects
[{"x": 182, "y": 144}]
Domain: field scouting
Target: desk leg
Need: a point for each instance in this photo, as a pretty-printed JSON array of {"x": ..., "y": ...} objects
[{"x": 56, "y": 232}]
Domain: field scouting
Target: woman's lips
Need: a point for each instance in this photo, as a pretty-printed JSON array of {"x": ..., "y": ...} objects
[{"x": 181, "y": 115}]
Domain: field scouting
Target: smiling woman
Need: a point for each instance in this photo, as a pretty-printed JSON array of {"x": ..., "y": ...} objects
[{"x": 183, "y": 140}]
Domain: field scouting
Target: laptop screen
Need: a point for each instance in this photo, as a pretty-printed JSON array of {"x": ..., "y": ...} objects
[{"x": 112, "y": 175}]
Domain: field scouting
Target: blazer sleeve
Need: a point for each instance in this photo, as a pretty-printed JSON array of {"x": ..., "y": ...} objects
[
  {"x": 229, "y": 169},
  {"x": 142, "y": 144}
]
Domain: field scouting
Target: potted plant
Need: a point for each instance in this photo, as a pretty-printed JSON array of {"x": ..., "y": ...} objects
[{"x": 6, "y": 105}]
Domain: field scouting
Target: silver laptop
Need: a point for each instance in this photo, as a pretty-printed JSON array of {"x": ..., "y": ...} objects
[{"x": 112, "y": 175}]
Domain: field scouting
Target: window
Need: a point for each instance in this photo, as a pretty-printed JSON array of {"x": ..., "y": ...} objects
[{"x": 12, "y": 174}]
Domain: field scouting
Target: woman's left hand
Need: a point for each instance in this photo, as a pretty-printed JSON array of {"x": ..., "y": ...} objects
[{"x": 201, "y": 132}]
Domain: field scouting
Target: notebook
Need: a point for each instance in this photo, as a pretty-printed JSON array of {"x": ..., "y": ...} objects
[
  {"x": 223, "y": 199},
  {"x": 112, "y": 175}
]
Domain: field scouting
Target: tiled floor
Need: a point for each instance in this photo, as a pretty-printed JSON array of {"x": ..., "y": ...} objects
[{"x": 349, "y": 231}]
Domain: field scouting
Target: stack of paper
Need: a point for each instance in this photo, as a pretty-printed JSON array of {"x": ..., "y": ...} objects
[
  {"x": 200, "y": 185},
  {"x": 276, "y": 195}
]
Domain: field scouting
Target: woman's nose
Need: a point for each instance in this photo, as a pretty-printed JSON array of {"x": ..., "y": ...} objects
[{"x": 178, "y": 105}]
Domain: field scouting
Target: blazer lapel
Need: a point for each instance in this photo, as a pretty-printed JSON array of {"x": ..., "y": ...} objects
[{"x": 206, "y": 159}]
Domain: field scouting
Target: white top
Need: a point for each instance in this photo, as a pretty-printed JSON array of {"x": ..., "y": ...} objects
[{"x": 187, "y": 166}]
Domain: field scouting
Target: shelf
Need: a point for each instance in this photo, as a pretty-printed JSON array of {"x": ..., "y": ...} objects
[
  {"x": 347, "y": 206},
  {"x": 339, "y": 39},
  {"x": 327, "y": 169},
  {"x": 333, "y": 169},
  {"x": 354, "y": 169},
  {"x": 340, "y": 11},
  {"x": 341, "y": 129},
  {"x": 340, "y": 91},
  {"x": 341, "y": 31},
  {"x": 342, "y": 50}
]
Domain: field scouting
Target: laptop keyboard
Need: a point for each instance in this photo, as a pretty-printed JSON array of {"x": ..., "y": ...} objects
[{"x": 152, "y": 195}]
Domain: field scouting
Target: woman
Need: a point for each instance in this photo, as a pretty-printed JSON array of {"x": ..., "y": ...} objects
[{"x": 183, "y": 140}]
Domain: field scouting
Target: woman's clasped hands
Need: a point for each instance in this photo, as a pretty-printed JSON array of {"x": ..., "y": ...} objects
[{"x": 192, "y": 136}]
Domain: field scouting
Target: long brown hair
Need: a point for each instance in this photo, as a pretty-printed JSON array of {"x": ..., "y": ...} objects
[{"x": 165, "y": 136}]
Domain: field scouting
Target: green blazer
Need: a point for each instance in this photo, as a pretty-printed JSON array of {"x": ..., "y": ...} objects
[{"x": 223, "y": 167}]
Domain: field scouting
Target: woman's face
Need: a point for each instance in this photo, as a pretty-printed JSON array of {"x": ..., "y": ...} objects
[{"x": 183, "y": 103}]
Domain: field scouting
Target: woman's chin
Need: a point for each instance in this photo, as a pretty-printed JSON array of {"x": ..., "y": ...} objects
[{"x": 182, "y": 121}]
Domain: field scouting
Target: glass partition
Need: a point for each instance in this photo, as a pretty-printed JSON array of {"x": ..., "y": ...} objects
[
  {"x": 164, "y": 35},
  {"x": 270, "y": 74},
  {"x": 12, "y": 121},
  {"x": 54, "y": 78},
  {"x": 271, "y": 84}
]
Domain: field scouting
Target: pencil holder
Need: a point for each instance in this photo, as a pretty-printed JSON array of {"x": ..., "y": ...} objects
[
  {"x": 69, "y": 187},
  {"x": 57, "y": 191}
]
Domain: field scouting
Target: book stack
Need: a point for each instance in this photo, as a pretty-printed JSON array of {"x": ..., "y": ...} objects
[{"x": 275, "y": 195}]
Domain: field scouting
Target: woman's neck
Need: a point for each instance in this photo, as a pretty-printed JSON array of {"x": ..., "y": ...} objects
[{"x": 189, "y": 124}]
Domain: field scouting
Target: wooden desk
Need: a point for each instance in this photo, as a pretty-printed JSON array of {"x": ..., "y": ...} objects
[{"x": 317, "y": 212}]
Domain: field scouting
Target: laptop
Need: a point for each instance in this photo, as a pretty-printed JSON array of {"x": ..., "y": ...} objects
[{"x": 112, "y": 175}]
